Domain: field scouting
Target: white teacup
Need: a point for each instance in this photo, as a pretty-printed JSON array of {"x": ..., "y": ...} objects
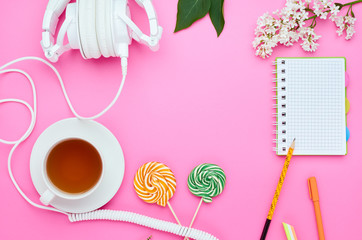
[
  {"x": 67, "y": 163},
  {"x": 112, "y": 161}
]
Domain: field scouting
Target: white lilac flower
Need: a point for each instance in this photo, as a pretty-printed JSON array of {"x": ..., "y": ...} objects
[
  {"x": 265, "y": 33},
  {"x": 340, "y": 31},
  {"x": 345, "y": 23},
  {"x": 349, "y": 26},
  {"x": 264, "y": 50},
  {"x": 287, "y": 11},
  {"x": 334, "y": 10},
  {"x": 294, "y": 36},
  {"x": 350, "y": 31},
  {"x": 256, "y": 42},
  {"x": 325, "y": 4},
  {"x": 309, "y": 38},
  {"x": 309, "y": 46},
  {"x": 302, "y": 6},
  {"x": 287, "y": 38},
  {"x": 338, "y": 21},
  {"x": 349, "y": 20},
  {"x": 317, "y": 11},
  {"x": 262, "y": 19},
  {"x": 296, "y": 16},
  {"x": 324, "y": 15},
  {"x": 303, "y": 16}
]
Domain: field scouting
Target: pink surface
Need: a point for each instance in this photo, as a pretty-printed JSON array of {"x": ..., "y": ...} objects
[{"x": 198, "y": 99}]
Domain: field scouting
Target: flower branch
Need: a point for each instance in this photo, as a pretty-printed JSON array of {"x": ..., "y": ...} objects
[{"x": 287, "y": 26}]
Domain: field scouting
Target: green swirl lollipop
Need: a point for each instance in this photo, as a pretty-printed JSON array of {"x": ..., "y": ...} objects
[{"x": 206, "y": 181}]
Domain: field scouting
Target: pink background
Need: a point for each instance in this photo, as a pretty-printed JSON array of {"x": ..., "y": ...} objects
[{"x": 198, "y": 99}]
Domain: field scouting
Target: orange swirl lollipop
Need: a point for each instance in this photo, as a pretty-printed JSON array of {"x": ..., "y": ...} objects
[{"x": 154, "y": 182}]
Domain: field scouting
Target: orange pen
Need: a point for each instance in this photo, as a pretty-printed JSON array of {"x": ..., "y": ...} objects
[{"x": 313, "y": 192}]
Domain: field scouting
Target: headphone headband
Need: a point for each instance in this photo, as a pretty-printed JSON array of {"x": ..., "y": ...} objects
[
  {"x": 55, "y": 8},
  {"x": 151, "y": 41}
]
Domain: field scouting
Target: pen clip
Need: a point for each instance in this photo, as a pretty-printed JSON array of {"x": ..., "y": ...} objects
[
  {"x": 309, "y": 189},
  {"x": 313, "y": 189}
]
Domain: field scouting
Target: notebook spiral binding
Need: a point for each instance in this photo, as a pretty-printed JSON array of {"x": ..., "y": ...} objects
[{"x": 280, "y": 89}]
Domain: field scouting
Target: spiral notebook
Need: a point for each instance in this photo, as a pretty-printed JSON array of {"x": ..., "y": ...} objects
[{"x": 310, "y": 107}]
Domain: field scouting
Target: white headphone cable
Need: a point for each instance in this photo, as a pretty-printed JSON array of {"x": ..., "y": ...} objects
[
  {"x": 124, "y": 73},
  {"x": 25, "y": 136},
  {"x": 113, "y": 215}
]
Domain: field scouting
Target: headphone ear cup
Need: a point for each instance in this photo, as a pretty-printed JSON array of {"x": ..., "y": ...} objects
[
  {"x": 103, "y": 27},
  {"x": 87, "y": 28},
  {"x": 72, "y": 31},
  {"x": 109, "y": 25},
  {"x": 121, "y": 33},
  {"x": 129, "y": 30}
]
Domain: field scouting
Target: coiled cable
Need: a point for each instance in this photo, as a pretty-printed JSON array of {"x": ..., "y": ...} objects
[{"x": 142, "y": 220}]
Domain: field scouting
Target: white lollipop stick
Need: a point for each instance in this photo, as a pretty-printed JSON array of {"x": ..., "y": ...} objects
[
  {"x": 174, "y": 214},
  {"x": 195, "y": 214}
]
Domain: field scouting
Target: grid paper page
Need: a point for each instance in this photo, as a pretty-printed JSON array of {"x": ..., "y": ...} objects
[{"x": 313, "y": 106}]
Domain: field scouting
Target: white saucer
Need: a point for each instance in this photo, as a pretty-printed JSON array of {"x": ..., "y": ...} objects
[{"x": 102, "y": 139}]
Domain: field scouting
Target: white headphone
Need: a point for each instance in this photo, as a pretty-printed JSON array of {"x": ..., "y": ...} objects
[{"x": 96, "y": 27}]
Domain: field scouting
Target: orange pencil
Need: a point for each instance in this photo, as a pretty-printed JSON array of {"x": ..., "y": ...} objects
[
  {"x": 277, "y": 191},
  {"x": 313, "y": 193}
]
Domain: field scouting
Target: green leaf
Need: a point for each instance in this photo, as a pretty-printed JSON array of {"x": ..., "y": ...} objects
[
  {"x": 352, "y": 13},
  {"x": 217, "y": 15},
  {"x": 189, "y": 11}
]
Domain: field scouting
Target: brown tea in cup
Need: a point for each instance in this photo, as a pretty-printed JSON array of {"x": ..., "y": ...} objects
[{"x": 74, "y": 166}]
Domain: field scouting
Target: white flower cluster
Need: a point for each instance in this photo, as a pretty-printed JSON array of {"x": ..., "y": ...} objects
[
  {"x": 287, "y": 26},
  {"x": 345, "y": 23}
]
